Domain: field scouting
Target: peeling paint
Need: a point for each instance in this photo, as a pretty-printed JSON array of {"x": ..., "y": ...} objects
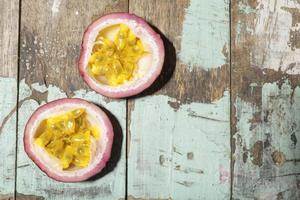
[
  {"x": 277, "y": 120},
  {"x": 174, "y": 104},
  {"x": 161, "y": 159},
  {"x": 190, "y": 155},
  {"x": 203, "y": 36},
  {"x": 294, "y": 139},
  {"x": 274, "y": 34},
  {"x": 278, "y": 158},
  {"x": 256, "y": 153},
  {"x": 38, "y": 87}
]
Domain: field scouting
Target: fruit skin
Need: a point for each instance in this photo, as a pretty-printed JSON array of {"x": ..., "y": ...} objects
[
  {"x": 90, "y": 172},
  {"x": 128, "y": 91}
]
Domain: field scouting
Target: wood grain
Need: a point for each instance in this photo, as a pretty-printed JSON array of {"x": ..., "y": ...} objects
[
  {"x": 9, "y": 24},
  {"x": 265, "y": 99},
  {"x": 9, "y": 38},
  {"x": 51, "y": 34},
  {"x": 178, "y": 144},
  {"x": 175, "y": 128}
]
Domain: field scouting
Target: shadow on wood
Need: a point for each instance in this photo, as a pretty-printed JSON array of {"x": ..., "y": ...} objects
[
  {"x": 116, "y": 147},
  {"x": 167, "y": 69}
]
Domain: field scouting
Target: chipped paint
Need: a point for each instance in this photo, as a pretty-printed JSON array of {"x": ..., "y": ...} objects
[
  {"x": 190, "y": 155},
  {"x": 164, "y": 176},
  {"x": 110, "y": 186},
  {"x": 203, "y": 35},
  {"x": 38, "y": 87},
  {"x": 256, "y": 153},
  {"x": 278, "y": 158},
  {"x": 279, "y": 118},
  {"x": 174, "y": 104},
  {"x": 8, "y": 99},
  {"x": 274, "y": 32}
]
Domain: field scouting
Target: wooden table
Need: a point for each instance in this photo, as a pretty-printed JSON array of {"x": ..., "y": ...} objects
[{"x": 222, "y": 122}]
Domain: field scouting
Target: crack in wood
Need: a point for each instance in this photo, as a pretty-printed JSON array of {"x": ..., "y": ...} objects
[
  {"x": 194, "y": 114},
  {"x": 185, "y": 183},
  {"x": 26, "y": 165}
]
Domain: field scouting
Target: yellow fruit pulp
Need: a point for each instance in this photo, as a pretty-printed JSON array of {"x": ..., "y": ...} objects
[
  {"x": 67, "y": 137},
  {"x": 114, "y": 62}
]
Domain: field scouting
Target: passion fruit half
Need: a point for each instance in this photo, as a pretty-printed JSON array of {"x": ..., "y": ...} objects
[
  {"x": 121, "y": 55},
  {"x": 69, "y": 139}
]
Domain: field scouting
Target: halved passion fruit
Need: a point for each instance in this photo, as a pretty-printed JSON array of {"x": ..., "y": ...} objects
[
  {"x": 69, "y": 139},
  {"x": 121, "y": 55}
]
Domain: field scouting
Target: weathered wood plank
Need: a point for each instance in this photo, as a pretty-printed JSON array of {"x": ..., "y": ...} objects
[
  {"x": 9, "y": 15},
  {"x": 265, "y": 103},
  {"x": 50, "y": 44},
  {"x": 179, "y": 138}
]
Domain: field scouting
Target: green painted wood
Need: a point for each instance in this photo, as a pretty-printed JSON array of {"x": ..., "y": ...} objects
[
  {"x": 181, "y": 150},
  {"x": 9, "y": 12},
  {"x": 179, "y": 137},
  {"x": 265, "y": 99},
  {"x": 205, "y": 27},
  {"x": 267, "y": 153},
  {"x": 8, "y": 100},
  {"x": 179, "y": 154},
  {"x": 51, "y": 34}
]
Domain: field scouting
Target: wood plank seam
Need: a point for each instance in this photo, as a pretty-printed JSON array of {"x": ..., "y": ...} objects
[
  {"x": 17, "y": 103},
  {"x": 231, "y": 98},
  {"x": 190, "y": 88}
]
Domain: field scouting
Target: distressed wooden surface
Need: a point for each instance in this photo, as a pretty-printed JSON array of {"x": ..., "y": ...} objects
[
  {"x": 265, "y": 99},
  {"x": 51, "y": 34},
  {"x": 179, "y": 143},
  {"x": 175, "y": 133},
  {"x": 9, "y": 22}
]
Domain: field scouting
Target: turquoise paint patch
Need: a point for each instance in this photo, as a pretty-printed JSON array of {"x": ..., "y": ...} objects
[
  {"x": 205, "y": 32},
  {"x": 179, "y": 154},
  {"x": 8, "y": 99}
]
